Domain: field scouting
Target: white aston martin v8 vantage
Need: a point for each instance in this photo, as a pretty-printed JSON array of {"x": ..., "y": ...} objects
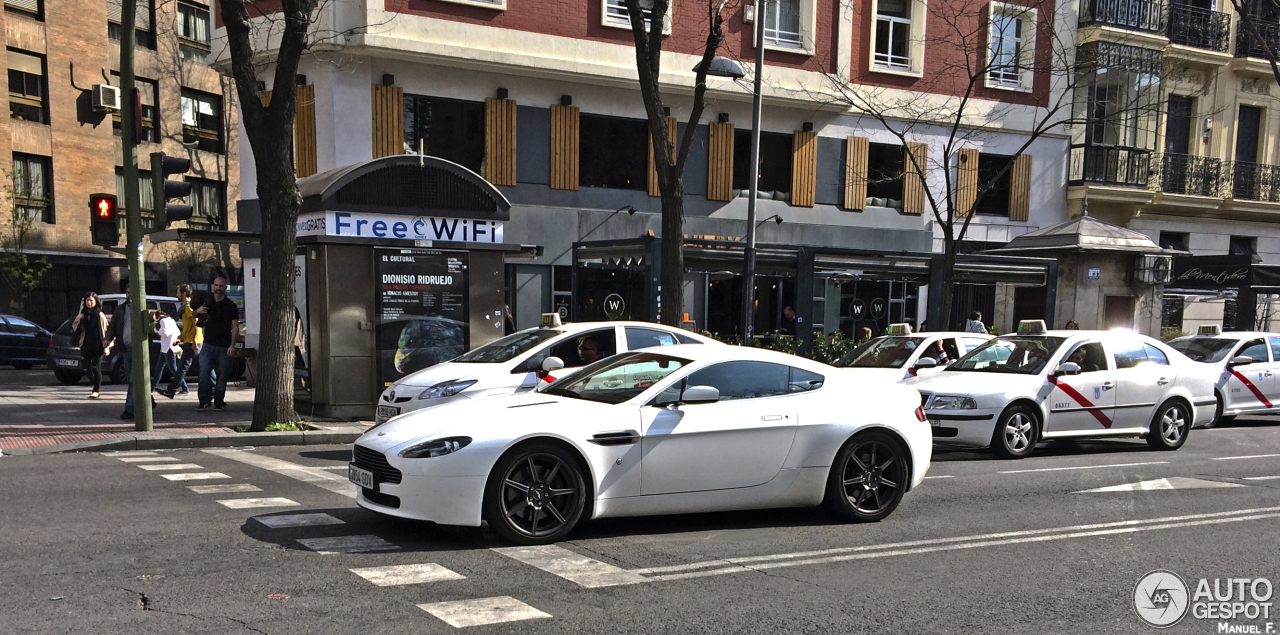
[{"x": 667, "y": 430}]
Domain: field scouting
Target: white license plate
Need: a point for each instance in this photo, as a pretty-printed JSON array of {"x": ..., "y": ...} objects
[
  {"x": 387, "y": 412},
  {"x": 68, "y": 362},
  {"x": 361, "y": 477}
]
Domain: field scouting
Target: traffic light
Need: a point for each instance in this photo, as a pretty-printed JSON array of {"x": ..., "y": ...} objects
[
  {"x": 102, "y": 220},
  {"x": 162, "y": 190}
]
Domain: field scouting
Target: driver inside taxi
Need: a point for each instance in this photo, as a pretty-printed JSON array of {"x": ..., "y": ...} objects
[{"x": 588, "y": 349}]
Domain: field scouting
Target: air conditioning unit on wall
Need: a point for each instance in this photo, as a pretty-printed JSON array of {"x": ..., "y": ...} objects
[
  {"x": 106, "y": 97},
  {"x": 1153, "y": 269}
]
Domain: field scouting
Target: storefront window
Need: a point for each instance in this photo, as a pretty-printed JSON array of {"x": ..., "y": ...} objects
[{"x": 447, "y": 128}]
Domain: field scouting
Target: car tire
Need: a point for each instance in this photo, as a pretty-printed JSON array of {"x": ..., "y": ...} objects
[
  {"x": 868, "y": 478},
  {"x": 1170, "y": 426},
  {"x": 69, "y": 378},
  {"x": 117, "y": 374},
  {"x": 1016, "y": 434},
  {"x": 24, "y": 365},
  {"x": 535, "y": 495}
]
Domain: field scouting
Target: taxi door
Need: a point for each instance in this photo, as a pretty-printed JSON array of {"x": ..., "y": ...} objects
[
  {"x": 1084, "y": 402},
  {"x": 1249, "y": 385},
  {"x": 1143, "y": 376}
]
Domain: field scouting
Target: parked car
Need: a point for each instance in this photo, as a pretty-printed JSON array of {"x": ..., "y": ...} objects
[
  {"x": 1246, "y": 365},
  {"x": 22, "y": 342},
  {"x": 63, "y": 355},
  {"x": 902, "y": 354}
]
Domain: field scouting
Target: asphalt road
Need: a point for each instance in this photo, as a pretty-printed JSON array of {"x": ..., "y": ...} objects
[{"x": 94, "y": 543}]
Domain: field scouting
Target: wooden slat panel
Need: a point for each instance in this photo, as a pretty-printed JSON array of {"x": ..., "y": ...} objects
[
  {"x": 913, "y": 196},
  {"x": 304, "y": 131},
  {"x": 856, "y": 152},
  {"x": 1020, "y": 188},
  {"x": 654, "y": 190},
  {"x": 500, "y": 141},
  {"x": 804, "y": 168},
  {"x": 564, "y": 147},
  {"x": 388, "y": 121},
  {"x": 720, "y": 162},
  {"x": 966, "y": 180}
]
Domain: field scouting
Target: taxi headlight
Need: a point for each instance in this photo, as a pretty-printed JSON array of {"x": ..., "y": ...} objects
[
  {"x": 438, "y": 447},
  {"x": 446, "y": 389},
  {"x": 952, "y": 402}
]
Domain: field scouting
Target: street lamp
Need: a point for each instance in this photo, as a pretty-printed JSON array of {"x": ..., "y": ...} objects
[
  {"x": 775, "y": 218},
  {"x": 749, "y": 252}
]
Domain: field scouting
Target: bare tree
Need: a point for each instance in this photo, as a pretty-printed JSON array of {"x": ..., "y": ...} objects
[
  {"x": 1263, "y": 34},
  {"x": 669, "y": 161},
  {"x": 23, "y": 271}
]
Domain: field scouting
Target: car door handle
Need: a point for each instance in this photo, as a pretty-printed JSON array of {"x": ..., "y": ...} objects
[
  {"x": 771, "y": 418},
  {"x": 1162, "y": 381},
  {"x": 1107, "y": 385},
  {"x": 1267, "y": 374}
]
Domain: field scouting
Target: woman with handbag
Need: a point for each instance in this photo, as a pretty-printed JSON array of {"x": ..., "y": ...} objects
[{"x": 91, "y": 324}]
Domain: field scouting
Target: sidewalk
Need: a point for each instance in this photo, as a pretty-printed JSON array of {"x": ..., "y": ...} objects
[{"x": 36, "y": 412}]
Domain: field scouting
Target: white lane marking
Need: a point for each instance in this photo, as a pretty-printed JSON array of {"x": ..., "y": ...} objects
[
  {"x": 130, "y": 453},
  {"x": 407, "y": 574},
  {"x": 571, "y": 566},
  {"x": 1262, "y": 478},
  {"x": 147, "y": 459},
  {"x": 224, "y": 489},
  {"x": 315, "y": 476},
  {"x": 953, "y": 547},
  {"x": 929, "y": 477},
  {"x": 298, "y": 520},
  {"x": 347, "y": 544},
  {"x": 332, "y": 467},
  {"x": 250, "y": 503},
  {"x": 1173, "y": 482},
  {"x": 482, "y": 611},
  {"x": 936, "y": 541},
  {"x": 197, "y": 476},
  {"x": 1235, "y": 458},
  {"x": 166, "y": 466},
  {"x": 1083, "y": 467}
]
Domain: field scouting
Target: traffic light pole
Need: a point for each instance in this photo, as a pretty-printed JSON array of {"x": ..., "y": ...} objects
[{"x": 138, "y": 324}]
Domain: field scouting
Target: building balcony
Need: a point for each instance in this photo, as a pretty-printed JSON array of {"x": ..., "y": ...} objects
[
  {"x": 1249, "y": 46},
  {"x": 1254, "y": 182},
  {"x": 1188, "y": 175},
  {"x": 1199, "y": 28},
  {"x": 1109, "y": 165},
  {"x": 1133, "y": 15}
]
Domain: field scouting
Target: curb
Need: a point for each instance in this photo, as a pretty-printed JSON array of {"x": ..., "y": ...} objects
[{"x": 329, "y": 435}]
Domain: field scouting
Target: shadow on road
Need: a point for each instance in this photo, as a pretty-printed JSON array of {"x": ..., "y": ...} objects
[
  {"x": 341, "y": 456},
  {"x": 1063, "y": 447}
]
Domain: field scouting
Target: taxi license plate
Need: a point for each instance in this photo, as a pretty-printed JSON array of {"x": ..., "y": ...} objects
[
  {"x": 387, "y": 412},
  {"x": 68, "y": 362},
  {"x": 361, "y": 477}
]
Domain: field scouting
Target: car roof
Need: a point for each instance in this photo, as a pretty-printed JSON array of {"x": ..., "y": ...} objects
[
  {"x": 577, "y": 327},
  {"x": 1230, "y": 335},
  {"x": 700, "y": 353},
  {"x": 938, "y": 334}
]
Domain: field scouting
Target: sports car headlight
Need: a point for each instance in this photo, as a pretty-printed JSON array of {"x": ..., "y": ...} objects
[
  {"x": 446, "y": 389},
  {"x": 439, "y": 447},
  {"x": 952, "y": 402}
]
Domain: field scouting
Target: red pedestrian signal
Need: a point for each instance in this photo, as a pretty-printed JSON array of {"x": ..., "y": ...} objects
[
  {"x": 102, "y": 220},
  {"x": 106, "y": 207}
]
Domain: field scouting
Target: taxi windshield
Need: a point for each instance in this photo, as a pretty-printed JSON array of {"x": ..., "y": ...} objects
[
  {"x": 882, "y": 352},
  {"x": 618, "y": 378},
  {"x": 508, "y": 347},
  {"x": 1022, "y": 355},
  {"x": 1205, "y": 349}
]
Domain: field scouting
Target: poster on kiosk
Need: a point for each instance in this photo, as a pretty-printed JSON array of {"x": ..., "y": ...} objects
[{"x": 421, "y": 309}]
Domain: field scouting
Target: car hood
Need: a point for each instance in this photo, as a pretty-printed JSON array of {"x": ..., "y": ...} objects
[
  {"x": 450, "y": 371},
  {"x": 956, "y": 382}
]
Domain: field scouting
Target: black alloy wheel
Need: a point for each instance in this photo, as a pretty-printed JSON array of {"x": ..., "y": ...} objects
[
  {"x": 535, "y": 495},
  {"x": 869, "y": 477}
]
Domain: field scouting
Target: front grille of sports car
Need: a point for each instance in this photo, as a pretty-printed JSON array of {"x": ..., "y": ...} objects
[
  {"x": 375, "y": 462},
  {"x": 924, "y": 399}
]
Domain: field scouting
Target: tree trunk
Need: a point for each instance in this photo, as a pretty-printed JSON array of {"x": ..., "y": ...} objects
[
  {"x": 948, "y": 280},
  {"x": 672, "y": 279},
  {"x": 279, "y": 200}
]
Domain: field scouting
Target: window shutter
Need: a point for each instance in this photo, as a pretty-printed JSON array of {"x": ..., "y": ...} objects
[
  {"x": 304, "y": 131},
  {"x": 26, "y": 5},
  {"x": 720, "y": 162},
  {"x": 857, "y": 149},
  {"x": 804, "y": 168},
  {"x": 500, "y": 141},
  {"x": 141, "y": 18},
  {"x": 654, "y": 190},
  {"x": 564, "y": 147},
  {"x": 388, "y": 121},
  {"x": 913, "y": 197},
  {"x": 1020, "y": 188},
  {"x": 966, "y": 180},
  {"x": 25, "y": 63}
]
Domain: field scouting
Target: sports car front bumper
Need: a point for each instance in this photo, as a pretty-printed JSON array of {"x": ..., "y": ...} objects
[{"x": 446, "y": 500}]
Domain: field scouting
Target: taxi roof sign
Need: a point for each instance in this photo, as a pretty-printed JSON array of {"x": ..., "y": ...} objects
[
  {"x": 900, "y": 328},
  {"x": 550, "y": 320},
  {"x": 1032, "y": 327},
  {"x": 1209, "y": 329}
]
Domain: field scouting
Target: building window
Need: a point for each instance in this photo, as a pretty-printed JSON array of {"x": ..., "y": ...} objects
[
  {"x": 148, "y": 90},
  {"x": 27, "y": 87},
  {"x": 893, "y": 34},
  {"x": 208, "y": 203},
  {"x": 613, "y": 153},
  {"x": 143, "y": 34},
  {"x": 1242, "y": 246},
  {"x": 30, "y": 8},
  {"x": 1174, "y": 240},
  {"x": 32, "y": 188},
  {"x": 885, "y": 166},
  {"x": 447, "y": 128},
  {"x": 1118, "y": 95},
  {"x": 1011, "y": 44},
  {"x": 202, "y": 120},
  {"x": 995, "y": 191},
  {"x": 145, "y": 200},
  {"x": 775, "y": 164},
  {"x": 193, "y": 32},
  {"x": 614, "y": 14},
  {"x": 782, "y": 23}
]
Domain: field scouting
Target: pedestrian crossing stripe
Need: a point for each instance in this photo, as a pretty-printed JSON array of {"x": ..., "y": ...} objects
[
  {"x": 248, "y": 503},
  {"x": 148, "y": 459},
  {"x": 479, "y": 612},
  {"x": 1173, "y": 482},
  {"x": 402, "y": 574},
  {"x": 197, "y": 476},
  {"x": 176, "y": 466},
  {"x": 573, "y": 567},
  {"x": 224, "y": 489},
  {"x": 297, "y": 520},
  {"x": 347, "y": 544}
]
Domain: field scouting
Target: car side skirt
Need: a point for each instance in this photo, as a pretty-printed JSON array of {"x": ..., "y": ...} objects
[{"x": 794, "y": 487}]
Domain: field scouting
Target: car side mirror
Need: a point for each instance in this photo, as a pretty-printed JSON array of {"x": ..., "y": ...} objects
[
  {"x": 926, "y": 362},
  {"x": 549, "y": 364},
  {"x": 1067, "y": 368},
  {"x": 700, "y": 394},
  {"x": 1240, "y": 360}
]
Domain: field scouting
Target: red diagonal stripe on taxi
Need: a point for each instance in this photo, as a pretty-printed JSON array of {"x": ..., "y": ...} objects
[
  {"x": 1080, "y": 399},
  {"x": 1253, "y": 389}
]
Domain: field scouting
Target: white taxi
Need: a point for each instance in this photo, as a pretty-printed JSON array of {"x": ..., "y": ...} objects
[
  {"x": 902, "y": 354},
  {"x": 1246, "y": 365},
  {"x": 1066, "y": 384},
  {"x": 515, "y": 363}
]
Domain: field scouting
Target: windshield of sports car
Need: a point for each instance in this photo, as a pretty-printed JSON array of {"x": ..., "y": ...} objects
[
  {"x": 1022, "y": 355},
  {"x": 883, "y": 352},
  {"x": 1205, "y": 349},
  {"x": 509, "y": 347},
  {"x": 618, "y": 378}
]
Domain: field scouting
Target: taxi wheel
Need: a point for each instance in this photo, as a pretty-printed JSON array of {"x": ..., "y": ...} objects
[
  {"x": 1170, "y": 426},
  {"x": 1218, "y": 417},
  {"x": 535, "y": 495},
  {"x": 868, "y": 478},
  {"x": 1017, "y": 431}
]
